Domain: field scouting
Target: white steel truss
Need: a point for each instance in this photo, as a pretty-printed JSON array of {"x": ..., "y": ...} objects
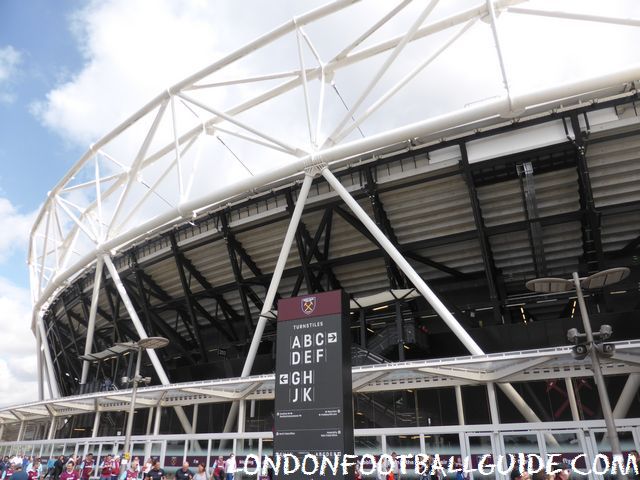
[
  {"x": 93, "y": 208},
  {"x": 110, "y": 196},
  {"x": 521, "y": 366}
]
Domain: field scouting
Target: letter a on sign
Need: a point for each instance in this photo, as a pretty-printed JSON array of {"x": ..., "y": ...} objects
[{"x": 308, "y": 305}]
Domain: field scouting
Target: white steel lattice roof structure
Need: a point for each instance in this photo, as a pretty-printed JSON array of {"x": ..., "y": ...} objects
[
  {"x": 239, "y": 129},
  {"x": 143, "y": 175}
]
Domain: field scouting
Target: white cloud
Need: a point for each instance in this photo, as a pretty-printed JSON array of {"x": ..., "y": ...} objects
[
  {"x": 18, "y": 353},
  {"x": 134, "y": 49},
  {"x": 15, "y": 227},
  {"x": 9, "y": 60}
]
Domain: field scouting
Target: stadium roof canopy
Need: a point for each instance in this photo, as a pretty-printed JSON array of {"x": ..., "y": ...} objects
[{"x": 435, "y": 110}]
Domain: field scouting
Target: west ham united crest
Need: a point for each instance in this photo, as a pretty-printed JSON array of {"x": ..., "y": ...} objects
[{"x": 308, "y": 305}]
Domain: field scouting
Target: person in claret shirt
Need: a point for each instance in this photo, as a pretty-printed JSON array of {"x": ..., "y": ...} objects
[
  {"x": 19, "y": 474},
  {"x": 70, "y": 473},
  {"x": 132, "y": 471},
  {"x": 106, "y": 468},
  {"x": 8, "y": 473},
  {"x": 115, "y": 471},
  {"x": 86, "y": 468},
  {"x": 35, "y": 470}
]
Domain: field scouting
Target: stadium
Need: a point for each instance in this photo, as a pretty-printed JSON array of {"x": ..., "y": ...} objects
[{"x": 196, "y": 214}]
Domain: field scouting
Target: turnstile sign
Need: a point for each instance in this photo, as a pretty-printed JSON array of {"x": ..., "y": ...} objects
[{"x": 313, "y": 376}]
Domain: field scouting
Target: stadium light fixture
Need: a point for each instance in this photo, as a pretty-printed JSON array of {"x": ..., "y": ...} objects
[
  {"x": 149, "y": 343},
  {"x": 584, "y": 342}
]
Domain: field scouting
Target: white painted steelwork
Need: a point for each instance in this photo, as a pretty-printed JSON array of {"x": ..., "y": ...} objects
[
  {"x": 521, "y": 366},
  {"x": 95, "y": 211}
]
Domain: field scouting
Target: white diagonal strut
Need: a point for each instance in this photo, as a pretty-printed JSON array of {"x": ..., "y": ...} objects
[
  {"x": 273, "y": 289},
  {"x": 422, "y": 287},
  {"x": 95, "y": 295},
  {"x": 153, "y": 356}
]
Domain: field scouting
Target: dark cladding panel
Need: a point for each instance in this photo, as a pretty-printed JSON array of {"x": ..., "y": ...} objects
[{"x": 313, "y": 376}]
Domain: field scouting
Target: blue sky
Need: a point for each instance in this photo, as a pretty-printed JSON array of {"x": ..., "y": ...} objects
[{"x": 33, "y": 157}]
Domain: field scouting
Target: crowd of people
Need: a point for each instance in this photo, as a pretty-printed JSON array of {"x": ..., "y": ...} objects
[{"x": 23, "y": 467}]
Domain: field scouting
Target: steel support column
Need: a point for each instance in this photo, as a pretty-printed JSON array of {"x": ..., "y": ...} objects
[
  {"x": 459, "y": 405},
  {"x": 39, "y": 365},
  {"x": 156, "y": 422},
  {"x": 571, "y": 394},
  {"x": 399, "y": 330},
  {"x": 153, "y": 356},
  {"x": 592, "y": 240},
  {"x": 186, "y": 289},
  {"x": 150, "y": 421},
  {"x": 395, "y": 277},
  {"x": 273, "y": 288},
  {"x": 493, "y": 403},
  {"x": 96, "y": 424},
  {"x": 426, "y": 292},
  {"x": 52, "y": 428},
  {"x": 95, "y": 295},
  {"x": 528, "y": 187},
  {"x": 51, "y": 377},
  {"x": 310, "y": 280},
  {"x": 627, "y": 396},
  {"x": 235, "y": 267},
  {"x": 21, "y": 430},
  {"x": 483, "y": 238}
]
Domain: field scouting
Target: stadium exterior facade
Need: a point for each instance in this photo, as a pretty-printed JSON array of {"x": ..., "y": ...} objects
[{"x": 432, "y": 228}]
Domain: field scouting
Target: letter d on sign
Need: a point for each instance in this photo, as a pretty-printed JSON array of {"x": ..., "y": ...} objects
[{"x": 287, "y": 464}]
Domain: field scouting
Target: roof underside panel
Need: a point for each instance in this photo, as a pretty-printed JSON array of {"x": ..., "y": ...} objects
[
  {"x": 433, "y": 209},
  {"x": 512, "y": 255},
  {"x": 614, "y": 169},
  {"x": 501, "y": 203}
]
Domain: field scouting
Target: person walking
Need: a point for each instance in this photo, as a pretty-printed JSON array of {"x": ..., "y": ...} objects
[
  {"x": 230, "y": 467},
  {"x": 8, "y": 472},
  {"x": 132, "y": 471},
  {"x": 19, "y": 473},
  {"x": 35, "y": 470},
  {"x": 218, "y": 469},
  {"x": 70, "y": 473},
  {"x": 106, "y": 468},
  {"x": 148, "y": 465},
  {"x": 87, "y": 467},
  {"x": 115, "y": 470},
  {"x": 184, "y": 473},
  {"x": 201, "y": 473},
  {"x": 58, "y": 467},
  {"x": 156, "y": 473}
]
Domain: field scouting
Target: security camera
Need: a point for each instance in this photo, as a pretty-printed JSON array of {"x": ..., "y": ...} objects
[
  {"x": 606, "y": 349},
  {"x": 580, "y": 351},
  {"x": 573, "y": 335},
  {"x": 605, "y": 331}
]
